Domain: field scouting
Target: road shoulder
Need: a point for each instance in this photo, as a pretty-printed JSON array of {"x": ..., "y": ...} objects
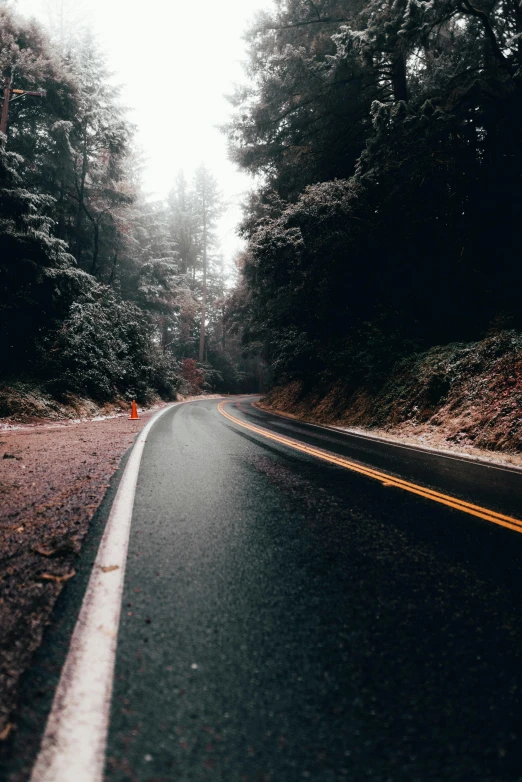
[
  {"x": 419, "y": 442},
  {"x": 53, "y": 480}
]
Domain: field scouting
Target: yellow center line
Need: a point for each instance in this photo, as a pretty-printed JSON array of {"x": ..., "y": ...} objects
[{"x": 382, "y": 477}]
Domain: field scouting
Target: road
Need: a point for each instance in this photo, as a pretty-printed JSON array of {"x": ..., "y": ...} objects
[{"x": 286, "y": 617}]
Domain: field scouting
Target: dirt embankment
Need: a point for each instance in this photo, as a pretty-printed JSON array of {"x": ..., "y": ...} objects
[
  {"x": 463, "y": 397},
  {"x": 28, "y": 404},
  {"x": 52, "y": 479}
]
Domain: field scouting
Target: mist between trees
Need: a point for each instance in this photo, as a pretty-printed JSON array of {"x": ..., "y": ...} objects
[
  {"x": 388, "y": 136},
  {"x": 102, "y": 293}
]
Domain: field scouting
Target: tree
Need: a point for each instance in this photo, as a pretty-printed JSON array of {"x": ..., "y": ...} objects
[
  {"x": 80, "y": 243},
  {"x": 100, "y": 139},
  {"x": 300, "y": 120},
  {"x": 207, "y": 208},
  {"x": 37, "y": 273},
  {"x": 67, "y": 22},
  {"x": 350, "y": 267},
  {"x": 183, "y": 224},
  {"x": 67, "y": 160}
]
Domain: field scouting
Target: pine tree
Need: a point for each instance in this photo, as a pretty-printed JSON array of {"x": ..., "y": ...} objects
[
  {"x": 300, "y": 120},
  {"x": 38, "y": 278},
  {"x": 207, "y": 207},
  {"x": 100, "y": 140},
  {"x": 348, "y": 267},
  {"x": 183, "y": 221}
]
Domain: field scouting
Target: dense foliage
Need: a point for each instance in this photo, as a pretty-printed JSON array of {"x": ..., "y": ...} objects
[
  {"x": 102, "y": 293},
  {"x": 388, "y": 140}
]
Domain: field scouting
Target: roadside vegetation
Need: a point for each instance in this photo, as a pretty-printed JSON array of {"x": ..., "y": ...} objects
[
  {"x": 387, "y": 137},
  {"x": 464, "y": 396},
  {"x": 103, "y": 294}
]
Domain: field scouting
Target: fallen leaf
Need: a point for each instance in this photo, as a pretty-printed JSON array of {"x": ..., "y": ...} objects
[
  {"x": 44, "y": 552},
  {"x": 51, "y": 577},
  {"x": 109, "y": 568},
  {"x": 6, "y": 731}
]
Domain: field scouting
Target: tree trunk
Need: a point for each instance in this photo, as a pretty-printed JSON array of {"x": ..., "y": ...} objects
[
  {"x": 518, "y": 23},
  {"x": 5, "y": 103},
  {"x": 61, "y": 206},
  {"x": 165, "y": 336},
  {"x": 81, "y": 199},
  {"x": 204, "y": 296},
  {"x": 113, "y": 270},
  {"x": 399, "y": 82},
  {"x": 94, "y": 267},
  {"x": 95, "y": 221}
]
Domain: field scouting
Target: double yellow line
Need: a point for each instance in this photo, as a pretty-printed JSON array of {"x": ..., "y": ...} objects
[{"x": 382, "y": 477}]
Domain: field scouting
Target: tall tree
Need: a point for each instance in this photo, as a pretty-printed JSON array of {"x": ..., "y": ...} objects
[
  {"x": 183, "y": 223},
  {"x": 299, "y": 120},
  {"x": 67, "y": 22},
  {"x": 345, "y": 275},
  {"x": 66, "y": 156},
  {"x": 100, "y": 138},
  {"x": 208, "y": 207}
]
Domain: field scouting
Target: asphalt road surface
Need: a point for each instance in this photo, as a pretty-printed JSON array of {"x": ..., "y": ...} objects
[{"x": 288, "y": 618}]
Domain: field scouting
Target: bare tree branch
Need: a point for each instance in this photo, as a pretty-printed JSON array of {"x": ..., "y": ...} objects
[
  {"x": 310, "y": 2},
  {"x": 324, "y": 20},
  {"x": 472, "y": 11}
]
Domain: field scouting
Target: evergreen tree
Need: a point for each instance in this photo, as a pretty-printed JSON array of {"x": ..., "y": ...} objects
[
  {"x": 100, "y": 139},
  {"x": 345, "y": 276},
  {"x": 101, "y": 291},
  {"x": 183, "y": 222},
  {"x": 65, "y": 190},
  {"x": 207, "y": 208},
  {"x": 299, "y": 120}
]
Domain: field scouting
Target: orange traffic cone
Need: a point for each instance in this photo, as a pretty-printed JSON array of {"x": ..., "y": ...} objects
[{"x": 134, "y": 412}]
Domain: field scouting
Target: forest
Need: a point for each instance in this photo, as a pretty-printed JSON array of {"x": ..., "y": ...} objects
[
  {"x": 384, "y": 138},
  {"x": 387, "y": 139},
  {"x": 104, "y": 294}
]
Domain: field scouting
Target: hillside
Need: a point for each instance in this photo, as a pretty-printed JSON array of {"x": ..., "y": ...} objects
[{"x": 462, "y": 396}]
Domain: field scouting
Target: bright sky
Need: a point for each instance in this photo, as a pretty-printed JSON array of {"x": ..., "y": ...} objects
[{"x": 176, "y": 60}]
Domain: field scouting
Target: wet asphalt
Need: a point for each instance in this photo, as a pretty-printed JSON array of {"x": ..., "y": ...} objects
[{"x": 286, "y": 619}]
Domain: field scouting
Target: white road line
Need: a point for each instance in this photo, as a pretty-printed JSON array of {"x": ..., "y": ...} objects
[{"x": 73, "y": 745}]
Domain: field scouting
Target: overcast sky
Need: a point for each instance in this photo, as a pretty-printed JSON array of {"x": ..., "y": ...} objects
[{"x": 176, "y": 61}]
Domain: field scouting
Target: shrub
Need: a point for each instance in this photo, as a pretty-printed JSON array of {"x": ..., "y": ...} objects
[
  {"x": 192, "y": 375},
  {"x": 105, "y": 348}
]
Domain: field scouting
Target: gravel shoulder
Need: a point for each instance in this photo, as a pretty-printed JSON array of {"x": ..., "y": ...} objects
[{"x": 52, "y": 479}]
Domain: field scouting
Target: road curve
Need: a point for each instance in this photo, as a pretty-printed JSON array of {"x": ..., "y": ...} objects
[
  {"x": 496, "y": 484},
  {"x": 287, "y": 618}
]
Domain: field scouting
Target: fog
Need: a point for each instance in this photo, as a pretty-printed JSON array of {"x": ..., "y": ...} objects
[{"x": 176, "y": 62}]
